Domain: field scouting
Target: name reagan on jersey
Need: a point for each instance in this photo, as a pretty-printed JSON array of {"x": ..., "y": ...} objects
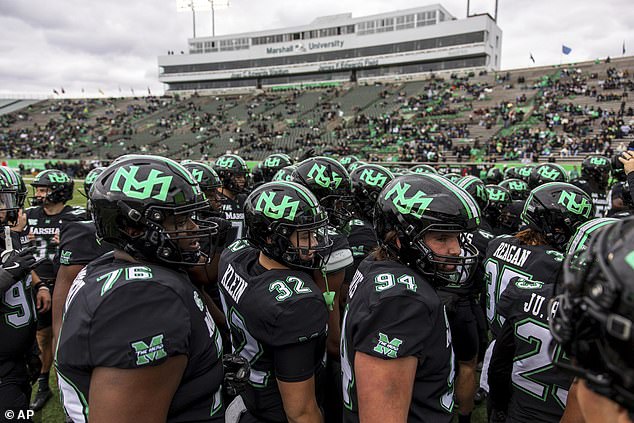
[
  {"x": 234, "y": 284},
  {"x": 512, "y": 254}
]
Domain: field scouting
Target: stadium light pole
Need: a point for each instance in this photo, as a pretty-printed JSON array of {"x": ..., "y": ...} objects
[{"x": 214, "y": 4}]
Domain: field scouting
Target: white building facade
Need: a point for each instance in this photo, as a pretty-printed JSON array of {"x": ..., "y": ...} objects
[{"x": 338, "y": 48}]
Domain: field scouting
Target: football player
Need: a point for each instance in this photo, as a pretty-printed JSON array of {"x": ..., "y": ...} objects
[
  {"x": 273, "y": 163},
  {"x": 137, "y": 342},
  {"x": 552, "y": 213},
  {"x": 592, "y": 325},
  {"x": 234, "y": 174},
  {"x": 17, "y": 310},
  {"x": 546, "y": 172},
  {"x": 52, "y": 189},
  {"x": 276, "y": 313},
  {"x": 595, "y": 173},
  {"x": 497, "y": 213},
  {"x": 330, "y": 183},
  {"x": 396, "y": 354}
]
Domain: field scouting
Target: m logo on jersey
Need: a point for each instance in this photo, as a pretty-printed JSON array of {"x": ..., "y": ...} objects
[
  {"x": 287, "y": 209},
  {"x": 225, "y": 162},
  {"x": 272, "y": 162},
  {"x": 372, "y": 178},
  {"x": 141, "y": 190},
  {"x": 145, "y": 353},
  {"x": 387, "y": 347},
  {"x": 415, "y": 205},
  {"x": 569, "y": 201},
  {"x": 197, "y": 174},
  {"x": 318, "y": 174},
  {"x": 546, "y": 173},
  {"x": 64, "y": 257}
]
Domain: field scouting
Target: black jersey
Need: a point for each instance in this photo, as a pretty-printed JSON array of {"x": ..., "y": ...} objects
[
  {"x": 78, "y": 244},
  {"x": 361, "y": 239},
  {"x": 18, "y": 315},
  {"x": 522, "y": 359},
  {"x": 278, "y": 320},
  {"x": 394, "y": 312},
  {"x": 507, "y": 259},
  {"x": 233, "y": 211},
  {"x": 42, "y": 228},
  {"x": 131, "y": 315},
  {"x": 599, "y": 196}
]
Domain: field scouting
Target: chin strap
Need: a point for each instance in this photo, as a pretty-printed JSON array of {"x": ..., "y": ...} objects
[{"x": 329, "y": 296}]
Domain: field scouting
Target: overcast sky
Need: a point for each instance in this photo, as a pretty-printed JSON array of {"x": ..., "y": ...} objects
[{"x": 112, "y": 45}]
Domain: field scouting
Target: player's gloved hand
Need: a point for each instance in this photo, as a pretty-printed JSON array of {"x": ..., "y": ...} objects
[
  {"x": 15, "y": 266},
  {"x": 237, "y": 371}
]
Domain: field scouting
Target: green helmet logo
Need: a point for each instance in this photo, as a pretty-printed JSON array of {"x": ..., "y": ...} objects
[
  {"x": 546, "y": 173},
  {"x": 581, "y": 207},
  {"x": 91, "y": 178},
  {"x": 58, "y": 178},
  {"x": 496, "y": 194},
  {"x": 141, "y": 190},
  {"x": 354, "y": 165},
  {"x": 317, "y": 173},
  {"x": 272, "y": 162},
  {"x": 373, "y": 178},
  {"x": 345, "y": 161},
  {"x": 481, "y": 192},
  {"x": 197, "y": 174},
  {"x": 598, "y": 161},
  {"x": 421, "y": 170},
  {"x": 518, "y": 186},
  {"x": 286, "y": 209},
  {"x": 225, "y": 162},
  {"x": 415, "y": 205},
  {"x": 524, "y": 171}
]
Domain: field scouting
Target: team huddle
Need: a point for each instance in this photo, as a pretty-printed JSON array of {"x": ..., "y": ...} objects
[{"x": 320, "y": 290}]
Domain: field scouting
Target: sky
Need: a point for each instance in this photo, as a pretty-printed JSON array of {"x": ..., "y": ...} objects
[{"x": 113, "y": 46}]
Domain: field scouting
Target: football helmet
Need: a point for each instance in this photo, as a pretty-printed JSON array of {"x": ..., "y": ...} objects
[
  {"x": 367, "y": 182},
  {"x": 477, "y": 189},
  {"x": 524, "y": 172},
  {"x": 499, "y": 199},
  {"x": 410, "y": 206},
  {"x": 21, "y": 189},
  {"x": 9, "y": 206},
  {"x": 494, "y": 176},
  {"x": 547, "y": 172},
  {"x": 272, "y": 164},
  {"x": 594, "y": 313},
  {"x": 90, "y": 179},
  {"x": 147, "y": 207},
  {"x": 59, "y": 184},
  {"x": 284, "y": 174},
  {"x": 346, "y": 161},
  {"x": 329, "y": 181},
  {"x": 285, "y": 221},
  {"x": 579, "y": 241},
  {"x": 453, "y": 177},
  {"x": 556, "y": 209},
  {"x": 233, "y": 173},
  {"x": 596, "y": 168},
  {"x": 355, "y": 165},
  {"x": 423, "y": 168},
  {"x": 518, "y": 188}
]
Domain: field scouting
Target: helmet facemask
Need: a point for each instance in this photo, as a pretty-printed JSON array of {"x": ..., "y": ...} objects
[
  {"x": 9, "y": 208},
  {"x": 300, "y": 246}
]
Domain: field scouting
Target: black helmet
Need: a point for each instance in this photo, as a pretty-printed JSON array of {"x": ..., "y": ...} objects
[
  {"x": 596, "y": 168},
  {"x": 556, "y": 209},
  {"x": 594, "y": 314},
  {"x": 330, "y": 183},
  {"x": 411, "y": 205},
  {"x": 518, "y": 188},
  {"x": 511, "y": 173},
  {"x": 8, "y": 198},
  {"x": 142, "y": 193},
  {"x": 276, "y": 211},
  {"x": 547, "y": 172},
  {"x": 346, "y": 161},
  {"x": 499, "y": 199},
  {"x": 257, "y": 176},
  {"x": 422, "y": 169},
  {"x": 524, "y": 172},
  {"x": 204, "y": 174},
  {"x": 60, "y": 185},
  {"x": 273, "y": 163},
  {"x": 90, "y": 179},
  {"x": 476, "y": 188},
  {"x": 285, "y": 173},
  {"x": 16, "y": 178},
  {"x": 579, "y": 241},
  {"x": 367, "y": 182},
  {"x": 453, "y": 177},
  {"x": 494, "y": 176},
  {"x": 355, "y": 165},
  {"x": 229, "y": 168}
]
